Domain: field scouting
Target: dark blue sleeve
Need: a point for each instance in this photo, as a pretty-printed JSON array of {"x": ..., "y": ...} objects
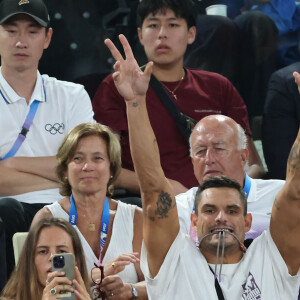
[{"x": 281, "y": 120}]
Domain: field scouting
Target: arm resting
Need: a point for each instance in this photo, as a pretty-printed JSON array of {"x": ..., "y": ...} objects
[
  {"x": 43, "y": 166},
  {"x": 13, "y": 182}
]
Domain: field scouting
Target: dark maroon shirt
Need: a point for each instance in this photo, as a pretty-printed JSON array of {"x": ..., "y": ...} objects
[{"x": 200, "y": 94}]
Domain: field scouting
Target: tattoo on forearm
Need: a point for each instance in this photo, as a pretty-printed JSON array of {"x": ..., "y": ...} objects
[
  {"x": 164, "y": 204},
  {"x": 135, "y": 104},
  {"x": 294, "y": 157}
]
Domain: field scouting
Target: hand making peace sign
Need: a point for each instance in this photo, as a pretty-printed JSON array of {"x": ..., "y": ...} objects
[{"x": 131, "y": 82}]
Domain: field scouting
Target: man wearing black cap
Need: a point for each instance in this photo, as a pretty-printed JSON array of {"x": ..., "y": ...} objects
[{"x": 36, "y": 111}]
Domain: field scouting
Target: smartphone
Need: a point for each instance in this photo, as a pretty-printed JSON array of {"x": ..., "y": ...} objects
[{"x": 64, "y": 262}]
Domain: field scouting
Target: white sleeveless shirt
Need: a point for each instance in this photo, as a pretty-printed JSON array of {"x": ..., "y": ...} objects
[{"x": 120, "y": 242}]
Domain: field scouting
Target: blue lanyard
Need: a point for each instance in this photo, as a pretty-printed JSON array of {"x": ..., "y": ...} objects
[
  {"x": 104, "y": 224},
  {"x": 25, "y": 128},
  {"x": 247, "y": 185}
]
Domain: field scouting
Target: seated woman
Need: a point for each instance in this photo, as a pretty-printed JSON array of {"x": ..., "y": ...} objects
[
  {"x": 32, "y": 278},
  {"x": 89, "y": 161}
]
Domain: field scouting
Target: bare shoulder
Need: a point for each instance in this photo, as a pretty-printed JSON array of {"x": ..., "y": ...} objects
[
  {"x": 41, "y": 214},
  {"x": 138, "y": 216},
  {"x": 138, "y": 226},
  {"x": 113, "y": 204},
  {"x": 137, "y": 229}
]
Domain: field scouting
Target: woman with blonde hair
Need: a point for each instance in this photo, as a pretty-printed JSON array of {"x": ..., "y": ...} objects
[
  {"x": 89, "y": 162},
  {"x": 33, "y": 278}
]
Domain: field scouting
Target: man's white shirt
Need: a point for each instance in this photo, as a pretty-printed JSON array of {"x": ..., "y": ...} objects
[
  {"x": 63, "y": 105},
  {"x": 185, "y": 274}
]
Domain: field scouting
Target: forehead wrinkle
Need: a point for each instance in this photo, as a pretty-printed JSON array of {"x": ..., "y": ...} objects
[
  {"x": 208, "y": 205},
  {"x": 220, "y": 142},
  {"x": 216, "y": 143},
  {"x": 82, "y": 152},
  {"x": 234, "y": 206}
]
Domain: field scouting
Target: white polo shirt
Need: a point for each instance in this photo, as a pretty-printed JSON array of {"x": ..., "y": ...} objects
[
  {"x": 260, "y": 201},
  {"x": 63, "y": 105},
  {"x": 184, "y": 274}
]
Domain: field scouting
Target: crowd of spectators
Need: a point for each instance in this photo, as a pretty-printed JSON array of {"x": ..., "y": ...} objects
[{"x": 70, "y": 144}]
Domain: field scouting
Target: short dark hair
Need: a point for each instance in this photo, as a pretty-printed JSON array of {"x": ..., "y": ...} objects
[
  {"x": 219, "y": 182},
  {"x": 182, "y": 8}
]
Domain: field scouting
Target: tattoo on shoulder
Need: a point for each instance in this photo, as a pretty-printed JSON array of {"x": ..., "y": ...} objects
[
  {"x": 164, "y": 204},
  {"x": 135, "y": 104},
  {"x": 294, "y": 156}
]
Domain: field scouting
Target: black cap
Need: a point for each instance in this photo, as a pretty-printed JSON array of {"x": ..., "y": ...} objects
[{"x": 34, "y": 8}]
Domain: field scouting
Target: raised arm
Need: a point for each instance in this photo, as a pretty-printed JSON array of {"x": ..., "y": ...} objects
[
  {"x": 160, "y": 222},
  {"x": 285, "y": 221}
]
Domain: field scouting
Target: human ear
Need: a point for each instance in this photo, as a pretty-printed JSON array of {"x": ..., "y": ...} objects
[
  {"x": 244, "y": 155},
  {"x": 140, "y": 35},
  {"x": 194, "y": 221},
  {"x": 248, "y": 222},
  {"x": 48, "y": 38},
  {"x": 191, "y": 35}
]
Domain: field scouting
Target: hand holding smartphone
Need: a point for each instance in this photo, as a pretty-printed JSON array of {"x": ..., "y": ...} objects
[{"x": 64, "y": 262}]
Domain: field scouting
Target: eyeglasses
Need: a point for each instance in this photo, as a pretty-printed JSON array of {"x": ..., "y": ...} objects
[{"x": 96, "y": 272}]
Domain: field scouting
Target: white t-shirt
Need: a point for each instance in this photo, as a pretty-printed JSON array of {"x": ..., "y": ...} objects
[
  {"x": 63, "y": 105},
  {"x": 260, "y": 201},
  {"x": 185, "y": 274}
]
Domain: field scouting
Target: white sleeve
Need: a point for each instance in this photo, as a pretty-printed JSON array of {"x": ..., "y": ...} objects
[
  {"x": 185, "y": 204},
  {"x": 184, "y": 216},
  {"x": 158, "y": 286},
  {"x": 80, "y": 107},
  {"x": 284, "y": 280}
]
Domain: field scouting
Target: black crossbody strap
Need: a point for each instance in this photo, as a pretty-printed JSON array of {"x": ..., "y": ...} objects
[
  {"x": 165, "y": 98},
  {"x": 217, "y": 287},
  {"x": 184, "y": 123}
]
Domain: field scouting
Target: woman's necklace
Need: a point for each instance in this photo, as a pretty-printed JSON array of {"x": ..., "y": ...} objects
[
  {"x": 92, "y": 226},
  {"x": 176, "y": 87}
]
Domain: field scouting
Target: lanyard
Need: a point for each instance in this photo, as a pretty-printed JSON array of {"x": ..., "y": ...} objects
[
  {"x": 247, "y": 185},
  {"x": 104, "y": 224},
  {"x": 25, "y": 128},
  {"x": 218, "y": 287}
]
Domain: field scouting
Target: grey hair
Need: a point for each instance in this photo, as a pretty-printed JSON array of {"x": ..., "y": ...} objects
[{"x": 242, "y": 139}]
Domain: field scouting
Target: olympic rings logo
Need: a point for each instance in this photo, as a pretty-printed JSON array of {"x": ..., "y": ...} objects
[{"x": 56, "y": 128}]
